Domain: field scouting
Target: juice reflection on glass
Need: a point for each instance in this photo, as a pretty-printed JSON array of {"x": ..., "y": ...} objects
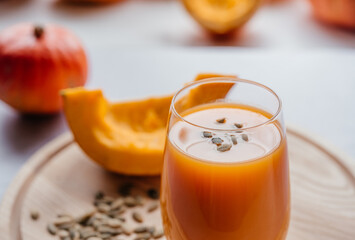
[{"x": 225, "y": 172}]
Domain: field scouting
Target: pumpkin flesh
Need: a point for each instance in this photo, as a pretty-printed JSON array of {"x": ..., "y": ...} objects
[{"x": 123, "y": 137}]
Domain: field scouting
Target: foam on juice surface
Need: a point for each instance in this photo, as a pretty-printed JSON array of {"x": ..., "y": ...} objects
[{"x": 262, "y": 140}]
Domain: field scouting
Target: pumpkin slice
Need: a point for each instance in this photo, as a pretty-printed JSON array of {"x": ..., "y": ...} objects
[
  {"x": 221, "y": 16},
  {"x": 124, "y": 137},
  {"x": 204, "y": 93}
]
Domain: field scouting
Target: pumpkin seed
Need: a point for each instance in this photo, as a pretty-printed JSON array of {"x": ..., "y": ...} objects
[
  {"x": 153, "y": 193},
  {"x": 64, "y": 215},
  {"x": 103, "y": 207},
  {"x": 88, "y": 234},
  {"x": 100, "y": 215},
  {"x": 74, "y": 234},
  {"x": 142, "y": 236},
  {"x": 122, "y": 219},
  {"x": 158, "y": 233},
  {"x": 121, "y": 211},
  {"x": 34, "y": 215},
  {"x": 105, "y": 236},
  {"x": 108, "y": 230},
  {"x": 126, "y": 229},
  {"x": 153, "y": 207},
  {"x": 151, "y": 230},
  {"x": 113, "y": 213},
  {"x": 89, "y": 222},
  {"x": 76, "y": 226},
  {"x": 139, "y": 200},
  {"x": 137, "y": 217},
  {"x": 86, "y": 229},
  {"x": 63, "y": 233},
  {"x": 106, "y": 199},
  {"x": 63, "y": 220},
  {"x": 118, "y": 203},
  {"x": 66, "y": 226},
  {"x": 52, "y": 229},
  {"x": 224, "y": 147},
  {"x": 85, "y": 217},
  {"x": 99, "y": 195},
  {"x": 234, "y": 140},
  {"x": 238, "y": 125},
  {"x": 77, "y": 237},
  {"x": 245, "y": 137},
  {"x": 94, "y": 238},
  {"x": 115, "y": 223},
  {"x": 221, "y": 120},
  {"x": 96, "y": 202},
  {"x": 206, "y": 134},
  {"x": 97, "y": 223},
  {"x": 216, "y": 140},
  {"x": 130, "y": 202},
  {"x": 140, "y": 229},
  {"x": 106, "y": 220}
]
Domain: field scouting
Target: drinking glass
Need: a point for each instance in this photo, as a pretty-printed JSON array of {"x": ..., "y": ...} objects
[{"x": 226, "y": 173}]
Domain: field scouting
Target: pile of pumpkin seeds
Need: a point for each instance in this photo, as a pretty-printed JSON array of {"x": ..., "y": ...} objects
[
  {"x": 106, "y": 221},
  {"x": 223, "y": 146}
]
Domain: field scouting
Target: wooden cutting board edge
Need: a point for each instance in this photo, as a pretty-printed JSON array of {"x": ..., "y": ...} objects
[
  {"x": 17, "y": 189},
  {"x": 344, "y": 160}
]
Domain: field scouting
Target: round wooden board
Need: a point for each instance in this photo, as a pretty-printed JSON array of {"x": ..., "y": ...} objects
[{"x": 59, "y": 178}]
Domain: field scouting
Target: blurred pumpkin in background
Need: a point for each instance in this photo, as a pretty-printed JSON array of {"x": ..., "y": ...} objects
[
  {"x": 221, "y": 16},
  {"x": 337, "y": 12},
  {"x": 36, "y": 62}
]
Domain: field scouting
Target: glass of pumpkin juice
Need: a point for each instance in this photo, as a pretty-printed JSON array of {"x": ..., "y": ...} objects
[{"x": 226, "y": 174}]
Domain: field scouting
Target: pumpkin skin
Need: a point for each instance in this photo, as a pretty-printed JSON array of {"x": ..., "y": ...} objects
[
  {"x": 124, "y": 137},
  {"x": 336, "y": 12},
  {"x": 36, "y": 63}
]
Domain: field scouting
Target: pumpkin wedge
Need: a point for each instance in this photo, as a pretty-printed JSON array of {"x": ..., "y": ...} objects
[
  {"x": 221, "y": 16},
  {"x": 124, "y": 137}
]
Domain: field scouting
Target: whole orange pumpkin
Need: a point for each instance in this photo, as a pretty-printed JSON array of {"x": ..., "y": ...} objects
[
  {"x": 36, "y": 62},
  {"x": 336, "y": 12}
]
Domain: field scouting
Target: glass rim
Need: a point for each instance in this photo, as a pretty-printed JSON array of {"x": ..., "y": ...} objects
[{"x": 227, "y": 80}]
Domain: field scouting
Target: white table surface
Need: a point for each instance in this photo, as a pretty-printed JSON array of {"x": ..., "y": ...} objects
[{"x": 141, "y": 48}]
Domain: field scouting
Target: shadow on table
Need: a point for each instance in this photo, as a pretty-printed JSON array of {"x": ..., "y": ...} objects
[
  {"x": 7, "y": 6},
  {"x": 25, "y": 132},
  {"x": 83, "y": 8},
  {"x": 202, "y": 38},
  {"x": 341, "y": 35}
]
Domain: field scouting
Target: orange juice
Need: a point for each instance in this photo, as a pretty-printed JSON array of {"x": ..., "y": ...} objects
[{"x": 240, "y": 191}]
